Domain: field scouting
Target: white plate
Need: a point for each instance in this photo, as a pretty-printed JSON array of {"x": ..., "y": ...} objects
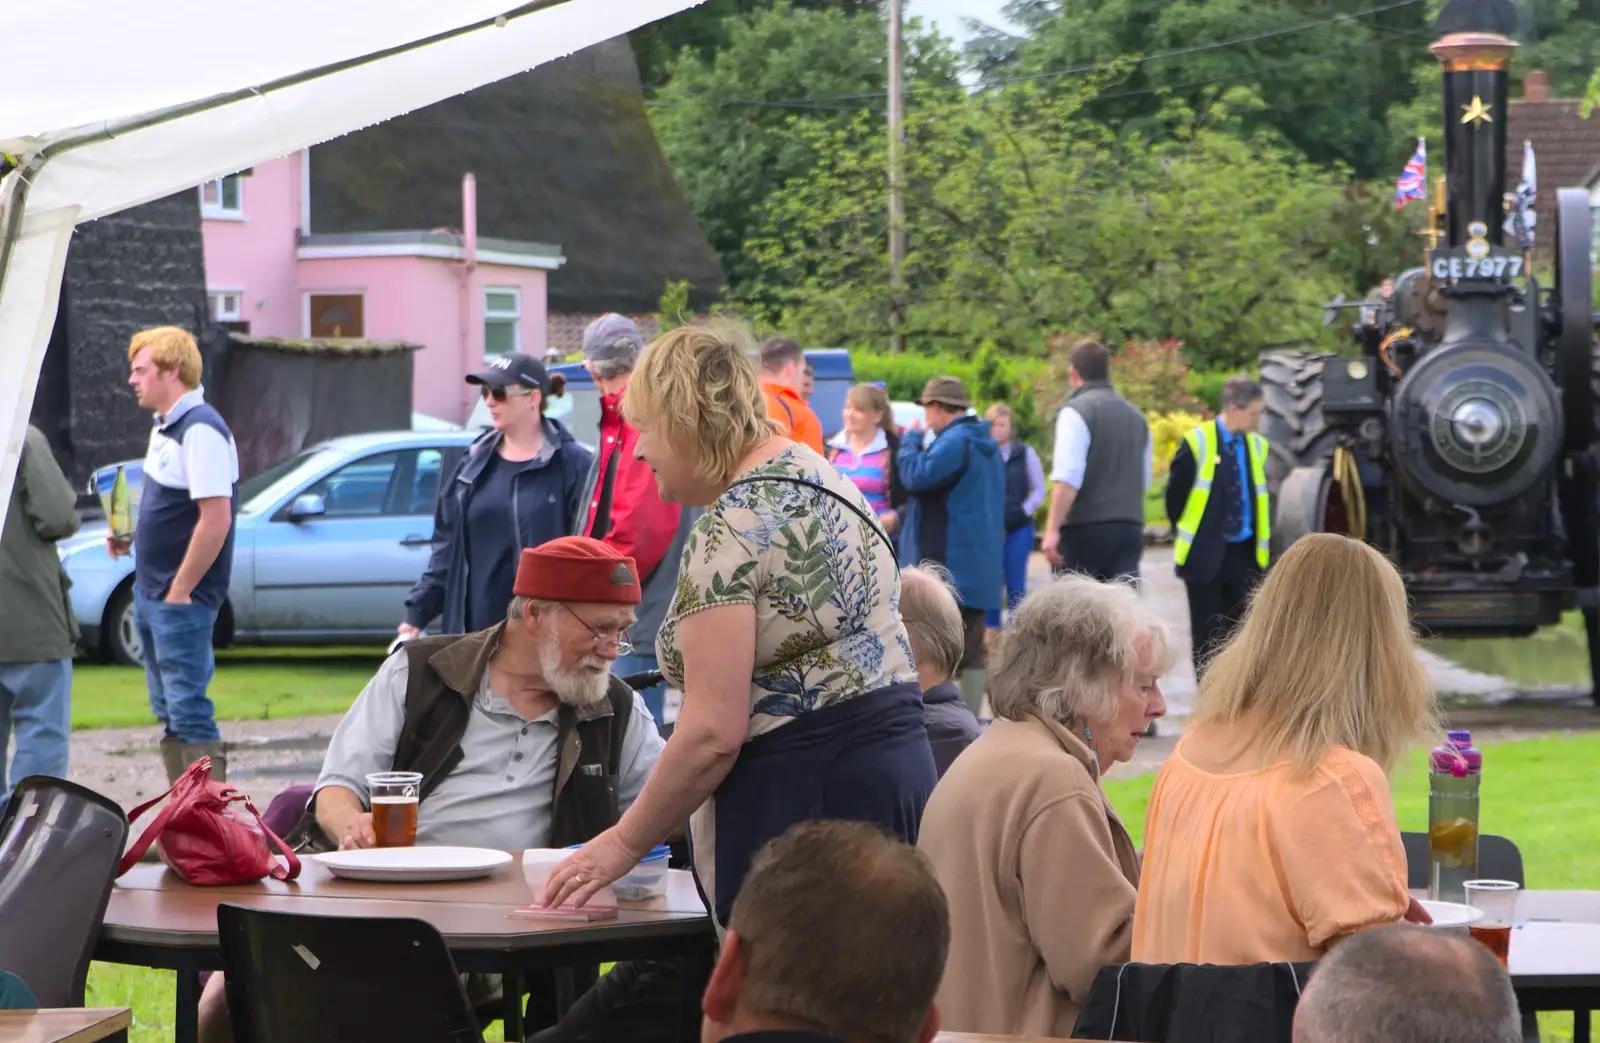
[
  {"x": 413, "y": 864},
  {"x": 1451, "y": 914}
]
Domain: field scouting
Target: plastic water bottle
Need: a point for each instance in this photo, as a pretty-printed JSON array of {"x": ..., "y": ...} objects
[{"x": 1454, "y": 771}]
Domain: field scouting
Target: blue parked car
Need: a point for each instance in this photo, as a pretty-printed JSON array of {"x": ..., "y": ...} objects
[{"x": 327, "y": 545}]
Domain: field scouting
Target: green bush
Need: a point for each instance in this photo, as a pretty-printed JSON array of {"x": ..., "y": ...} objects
[{"x": 989, "y": 375}]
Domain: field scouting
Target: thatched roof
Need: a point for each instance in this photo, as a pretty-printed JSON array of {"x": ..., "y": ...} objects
[{"x": 564, "y": 154}]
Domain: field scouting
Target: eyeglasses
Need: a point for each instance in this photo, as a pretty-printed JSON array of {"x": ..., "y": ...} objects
[
  {"x": 604, "y": 638},
  {"x": 502, "y": 393}
]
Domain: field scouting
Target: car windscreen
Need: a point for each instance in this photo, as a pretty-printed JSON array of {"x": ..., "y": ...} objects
[{"x": 260, "y": 491}]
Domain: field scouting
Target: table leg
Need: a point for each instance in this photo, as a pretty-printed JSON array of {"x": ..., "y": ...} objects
[
  {"x": 699, "y": 959},
  {"x": 186, "y": 1015},
  {"x": 512, "y": 990},
  {"x": 1580, "y": 1026}
]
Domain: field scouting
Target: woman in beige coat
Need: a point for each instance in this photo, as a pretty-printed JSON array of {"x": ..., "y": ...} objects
[{"x": 1040, "y": 873}]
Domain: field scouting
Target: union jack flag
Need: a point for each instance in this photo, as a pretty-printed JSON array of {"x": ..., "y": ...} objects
[{"x": 1413, "y": 183}]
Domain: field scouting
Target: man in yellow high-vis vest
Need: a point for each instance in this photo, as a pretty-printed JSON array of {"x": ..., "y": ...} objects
[{"x": 1218, "y": 506}]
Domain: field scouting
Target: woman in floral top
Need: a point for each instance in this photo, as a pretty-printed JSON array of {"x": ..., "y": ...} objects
[{"x": 800, "y": 698}]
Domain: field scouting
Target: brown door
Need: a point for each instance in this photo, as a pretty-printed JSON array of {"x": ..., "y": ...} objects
[{"x": 336, "y": 315}]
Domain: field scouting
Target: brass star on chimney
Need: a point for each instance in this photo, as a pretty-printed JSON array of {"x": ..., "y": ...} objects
[{"x": 1477, "y": 112}]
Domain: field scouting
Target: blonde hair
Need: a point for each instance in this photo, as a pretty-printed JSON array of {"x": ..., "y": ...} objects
[
  {"x": 698, "y": 386},
  {"x": 870, "y": 398},
  {"x": 1324, "y": 657},
  {"x": 1070, "y": 645},
  {"x": 171, "y": 348}
]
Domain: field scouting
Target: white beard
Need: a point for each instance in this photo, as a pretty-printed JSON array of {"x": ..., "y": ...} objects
[{"x": 580, "y": 687}]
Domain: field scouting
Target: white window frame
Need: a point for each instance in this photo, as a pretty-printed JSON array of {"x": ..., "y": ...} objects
[
  {"x": 216, "y": 295},
  {"x": 514, "y": 317},
  {"x": 217, "y": 211}
]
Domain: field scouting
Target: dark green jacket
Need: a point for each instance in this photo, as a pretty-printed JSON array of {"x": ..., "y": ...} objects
[{"x": 40, "y": 625}]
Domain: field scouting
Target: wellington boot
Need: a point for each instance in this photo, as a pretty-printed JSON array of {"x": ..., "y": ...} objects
[
  {"x": 217, "y": 751},
  {"x": 172, "y": 758},
  {"x": 974, "y": 682}
]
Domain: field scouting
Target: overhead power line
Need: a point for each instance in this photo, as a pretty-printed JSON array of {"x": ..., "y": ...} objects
[{"x": 827, "y": 103}]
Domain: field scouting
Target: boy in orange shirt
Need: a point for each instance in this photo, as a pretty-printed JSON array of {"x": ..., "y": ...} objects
[{"x": 782, "y": 372}]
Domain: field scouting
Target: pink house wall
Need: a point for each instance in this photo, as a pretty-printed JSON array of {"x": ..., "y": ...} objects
[
  {"x": 423, "y": 300},
  {"x": 430, "y": 301},
  {"x": 255, "y": 254}
]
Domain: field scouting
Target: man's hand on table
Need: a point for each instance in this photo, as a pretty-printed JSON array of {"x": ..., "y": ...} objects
[{"x": 358, "y": 833}]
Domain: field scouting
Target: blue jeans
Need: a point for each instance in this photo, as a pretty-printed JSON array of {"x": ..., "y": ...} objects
[
  {"x": 638, "y": 663},
  {"x": 1018, "y": 549},
  {"x": 178, "y": 664},
  {"x": 36, "y": 699}
]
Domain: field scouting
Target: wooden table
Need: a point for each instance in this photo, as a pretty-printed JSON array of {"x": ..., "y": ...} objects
[
  {"x": 65, "y": 1025},
  {"x": 154, "y": 919}
]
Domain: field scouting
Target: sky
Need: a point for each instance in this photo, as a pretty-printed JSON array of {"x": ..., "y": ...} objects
[{"x": 947, "y": 14}]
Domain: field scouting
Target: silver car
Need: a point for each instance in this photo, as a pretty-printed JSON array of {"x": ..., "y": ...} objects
[{"x": 326, "y": 547}]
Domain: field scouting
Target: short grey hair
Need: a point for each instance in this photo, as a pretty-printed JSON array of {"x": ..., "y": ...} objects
[
  {"x": 520, "y": 605},
  {"x": 1070, "y": 645},
  {"x": 1418, "y": 984},
  {"x": 932, "y": 618},
  {"x": 1239, "y": 392},
  {"x": 610, "y": 369}
]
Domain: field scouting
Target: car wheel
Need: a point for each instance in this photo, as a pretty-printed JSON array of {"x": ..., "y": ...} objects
[{"x": 122, "y": 633}]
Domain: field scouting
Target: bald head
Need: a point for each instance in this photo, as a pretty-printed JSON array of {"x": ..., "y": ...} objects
[
  {"x": 1412, "y": 983},
  {"x": 933, "y": 622}
]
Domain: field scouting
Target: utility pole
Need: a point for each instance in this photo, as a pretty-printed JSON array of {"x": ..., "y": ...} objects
[{"x": 897, "y": 206}]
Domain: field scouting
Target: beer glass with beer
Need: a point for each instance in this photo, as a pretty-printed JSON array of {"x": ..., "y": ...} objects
[
  {"x": 395, "y": 795},
  {"x": 1497, "y": 901}
]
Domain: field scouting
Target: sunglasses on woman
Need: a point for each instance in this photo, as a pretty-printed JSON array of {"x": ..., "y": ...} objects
[{"x": 500, "y": 394}]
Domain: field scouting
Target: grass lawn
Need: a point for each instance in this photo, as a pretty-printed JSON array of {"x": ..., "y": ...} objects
[
  {"x": 1155, "y": 505},
  {"x": 275, "y": 683}
]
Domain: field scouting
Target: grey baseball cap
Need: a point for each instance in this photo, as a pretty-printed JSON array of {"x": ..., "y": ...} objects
[{"x": 612, "y": 338}]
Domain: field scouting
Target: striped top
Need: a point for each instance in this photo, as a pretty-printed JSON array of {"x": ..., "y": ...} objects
[{"x": 867, "y": 470}]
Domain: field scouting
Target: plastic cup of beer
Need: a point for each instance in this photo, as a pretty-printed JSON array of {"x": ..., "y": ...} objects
[
  {"x": 1497, "y": 901},
  {"x": 395, "y": 796}
]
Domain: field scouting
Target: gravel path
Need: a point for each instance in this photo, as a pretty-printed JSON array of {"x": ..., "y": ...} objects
[{"x": 267, "y": 756}]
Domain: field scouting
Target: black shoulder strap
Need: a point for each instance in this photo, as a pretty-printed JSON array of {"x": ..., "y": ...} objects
[
  {"x": 786, "y": 411},
  {"x": 621, "y": 717},
  {"x": 872, "y": 522}
]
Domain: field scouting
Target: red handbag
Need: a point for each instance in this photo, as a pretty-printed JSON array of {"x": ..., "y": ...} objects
[{"x": 204, "y": 839}]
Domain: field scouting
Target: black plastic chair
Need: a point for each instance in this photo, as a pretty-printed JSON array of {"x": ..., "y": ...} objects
[
  {"x": 301, "y": 979},
  {"x": 59, "y": 848},
  {"x": 1498, "y": 859}
]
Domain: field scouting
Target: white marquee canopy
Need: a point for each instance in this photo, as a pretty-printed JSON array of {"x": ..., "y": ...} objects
[{"x": 110, "y": 104}]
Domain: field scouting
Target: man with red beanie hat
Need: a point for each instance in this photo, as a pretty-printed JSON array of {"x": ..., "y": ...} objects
[{"x": 489, "y": 720}]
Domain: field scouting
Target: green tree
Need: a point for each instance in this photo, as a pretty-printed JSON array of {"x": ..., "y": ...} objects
[
  {"x": 1328, "y": 71},
  {"x": 1027, "y": 218},
  {"x": 730, "y": 126},
  {"x": 702, "y": 29}
]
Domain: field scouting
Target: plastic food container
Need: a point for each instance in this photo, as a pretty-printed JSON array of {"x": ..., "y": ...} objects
[{"x": 646, "y": 880}]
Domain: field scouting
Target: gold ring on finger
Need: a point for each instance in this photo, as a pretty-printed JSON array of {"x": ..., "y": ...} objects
[{"x": 577, "y": 878}]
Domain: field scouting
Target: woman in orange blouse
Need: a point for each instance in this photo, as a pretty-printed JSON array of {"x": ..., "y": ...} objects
[{"x": 1271, "y": 832}]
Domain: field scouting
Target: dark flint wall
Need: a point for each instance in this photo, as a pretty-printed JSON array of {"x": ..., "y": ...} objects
[
  {"x": 281, "y": 396},
  {"x": 138, "y": 268}
]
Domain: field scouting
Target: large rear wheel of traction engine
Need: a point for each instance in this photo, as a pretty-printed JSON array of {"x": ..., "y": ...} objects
[{"x": 1292, "y": 424}]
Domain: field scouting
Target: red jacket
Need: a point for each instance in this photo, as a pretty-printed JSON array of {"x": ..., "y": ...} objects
[{"x": 642, "y": 527}]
